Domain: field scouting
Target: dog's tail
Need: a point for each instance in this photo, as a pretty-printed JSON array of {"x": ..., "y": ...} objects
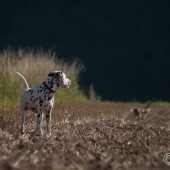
[{"x": 24, "y": 79}]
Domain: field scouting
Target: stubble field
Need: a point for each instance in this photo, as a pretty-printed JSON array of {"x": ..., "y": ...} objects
[{"x": 86, "y": 136}]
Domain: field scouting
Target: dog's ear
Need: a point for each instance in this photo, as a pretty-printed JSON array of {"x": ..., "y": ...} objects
[
  {"x": 59, "y": 74},
  {"x": 52, "y": 74},
  {"x": 55, "y": 74}
]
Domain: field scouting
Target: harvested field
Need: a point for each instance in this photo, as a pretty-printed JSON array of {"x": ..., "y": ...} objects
[{"x": 87, "y": 136}]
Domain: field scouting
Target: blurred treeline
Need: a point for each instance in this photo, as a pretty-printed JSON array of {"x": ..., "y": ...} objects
[{"x": 125, "y": 44}]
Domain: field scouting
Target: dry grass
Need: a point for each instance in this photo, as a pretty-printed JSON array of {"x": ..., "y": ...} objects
[
  {"x": 35, "y": 65},
  {"x": 87, "y": 136}
]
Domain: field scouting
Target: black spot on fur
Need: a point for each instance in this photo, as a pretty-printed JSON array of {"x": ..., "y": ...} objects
[
  {"x": 26, "y": 108},
  {"x": 49, "y": 98},
  {"x": 31, "y": 91},
  {"x": 44, "y": 97},
  {"x": 33, "y": 110},
  {"x": 41, "y": 101}
]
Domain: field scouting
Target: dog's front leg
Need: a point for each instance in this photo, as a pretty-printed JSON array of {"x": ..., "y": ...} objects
[
  {"x": 48, "y": 121},
  {"x": 39, "y": 123}
]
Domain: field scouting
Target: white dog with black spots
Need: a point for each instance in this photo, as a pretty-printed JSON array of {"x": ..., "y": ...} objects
[{"x": 40, "y": 99}]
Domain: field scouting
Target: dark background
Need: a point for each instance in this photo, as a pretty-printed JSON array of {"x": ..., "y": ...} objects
[{"x": 124, "y": 44}]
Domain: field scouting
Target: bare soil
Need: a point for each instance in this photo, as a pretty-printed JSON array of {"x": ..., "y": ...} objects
[{"x": 87, "y": 136}]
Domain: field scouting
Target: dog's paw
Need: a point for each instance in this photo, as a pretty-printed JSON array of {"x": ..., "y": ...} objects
[
  {"x": 39, "y": 134},
  {"x": 22, "y": 133}
]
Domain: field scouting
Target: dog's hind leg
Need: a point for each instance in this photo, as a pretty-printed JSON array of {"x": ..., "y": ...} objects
[{"x": 22, "y": 116}]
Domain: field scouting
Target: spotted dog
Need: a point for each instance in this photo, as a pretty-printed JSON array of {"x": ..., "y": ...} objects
[{"x": 40, "y": 99}]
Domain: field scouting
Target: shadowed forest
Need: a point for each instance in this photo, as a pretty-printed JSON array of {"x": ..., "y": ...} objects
[{"x": 124, "y": 45}]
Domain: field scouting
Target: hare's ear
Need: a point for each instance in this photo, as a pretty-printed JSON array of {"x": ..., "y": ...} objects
[{"x": 52, "y": 74}]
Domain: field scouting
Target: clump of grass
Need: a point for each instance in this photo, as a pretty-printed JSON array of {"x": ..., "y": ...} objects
[
  {"x": 92, "y": 94},
  {"x": 35, "y": 65},
  {"x": 162, "y": 103}
]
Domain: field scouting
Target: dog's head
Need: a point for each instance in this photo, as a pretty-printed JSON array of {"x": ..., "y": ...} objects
[{"x": 60, "y": 79}]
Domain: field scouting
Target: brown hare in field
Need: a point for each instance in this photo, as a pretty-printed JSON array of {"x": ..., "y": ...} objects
[{"x": 142, "y": 112}]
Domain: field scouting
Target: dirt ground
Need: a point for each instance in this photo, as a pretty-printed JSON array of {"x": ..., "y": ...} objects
[{"x": 87, "y": 136}]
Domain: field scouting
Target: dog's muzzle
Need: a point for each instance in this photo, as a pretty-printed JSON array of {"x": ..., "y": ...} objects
[{"x": 68, "y": 84}]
